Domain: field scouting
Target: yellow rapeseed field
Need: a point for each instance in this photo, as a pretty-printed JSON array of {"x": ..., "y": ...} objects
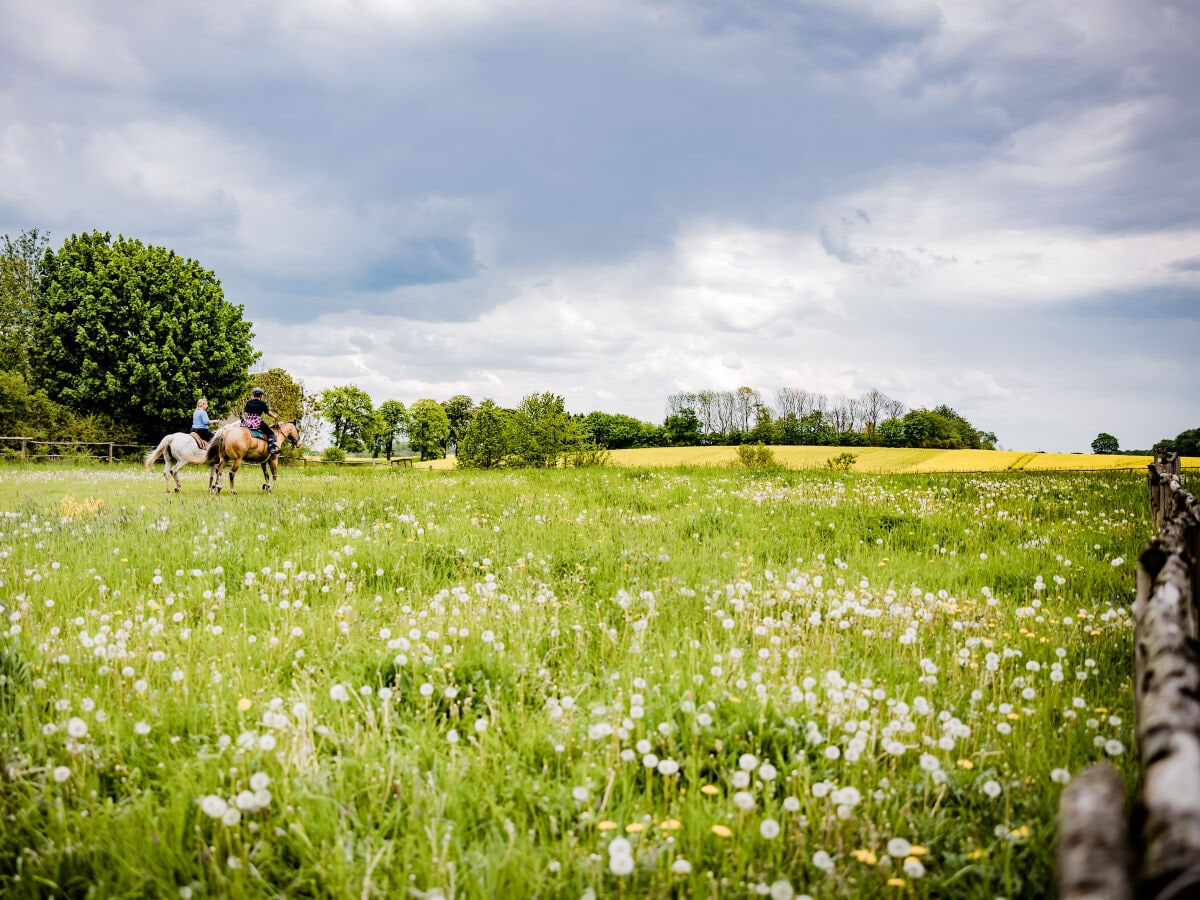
[
  {"x": 892, "y": 460},
  {"x": 877, "y": 459}
]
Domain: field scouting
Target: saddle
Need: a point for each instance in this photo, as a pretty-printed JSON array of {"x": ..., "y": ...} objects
[{"x": 200, "y": 442}]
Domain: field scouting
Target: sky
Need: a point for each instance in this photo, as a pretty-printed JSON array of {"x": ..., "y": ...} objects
[{"x": 989, "y": 204}]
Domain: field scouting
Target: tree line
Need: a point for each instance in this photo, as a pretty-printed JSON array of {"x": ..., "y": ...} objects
[{"x": 110, "y": 338}]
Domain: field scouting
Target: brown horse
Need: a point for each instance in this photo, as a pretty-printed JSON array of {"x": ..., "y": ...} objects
[{"x": 235, "y": 445}]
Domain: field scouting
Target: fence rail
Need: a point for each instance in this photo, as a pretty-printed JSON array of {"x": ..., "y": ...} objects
[
  {"x": 1153, "y": 854},
  {"x": 26, "y": 444}
]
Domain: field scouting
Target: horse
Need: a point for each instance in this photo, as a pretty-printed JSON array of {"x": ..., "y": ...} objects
[
  {"x": 234, "y": 445},
  {"x": 177, "y": 450}
]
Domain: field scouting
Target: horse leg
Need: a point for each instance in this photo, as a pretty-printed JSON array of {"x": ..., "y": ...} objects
[
  {"x": 234, "y": 465},
  {"x": 175, "y": 474},
  {"x": 214, "y": 476}
]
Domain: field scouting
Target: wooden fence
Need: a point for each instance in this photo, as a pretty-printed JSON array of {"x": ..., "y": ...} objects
[
  {"x": 1153, "y": 854},
  {"x": 108, "y": 450}
]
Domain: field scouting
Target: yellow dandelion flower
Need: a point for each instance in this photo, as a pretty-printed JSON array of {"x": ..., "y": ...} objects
[
  {"x": 866, "y": 857},
  {"x": 607, "y": 825},
  {"x": 977, "y": 853},
  {"x": 672, "y": 825},
  {"x": 710, "y": 789},
  {"x": 966, "y": 764},
  {"x": 635, "y": 828},
  {"x": 244, "y": 704},
  {"x": 722, "y": 831},
  {"x": 917, "y": 850},
  {"x": 1013, "y": 715},
  {"x": 1018, "y": 833},
  {"x": 896, "y": 882}
]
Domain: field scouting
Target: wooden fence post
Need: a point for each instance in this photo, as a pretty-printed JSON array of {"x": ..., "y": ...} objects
[{"x": 1095, "y": 855}]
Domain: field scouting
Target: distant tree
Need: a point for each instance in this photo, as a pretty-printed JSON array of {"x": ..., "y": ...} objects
[
  {"x": 763, "y": 431},
  {"x": 28, "y": 412},
  {"x": 428, "y": 428},
  {"x": 614, "y": 431},
  {"x": 489, "y": 439},
  {"x": 20, "y": 297},
  {"x": 890, "y": 432},
  {"x": 544, "y": 433},
  {"x": 1187, "y": 443},
  {"x": 815, "y": 428},
  {"x": 287, "y": 397},
  {"x": 349, "y": 411},
  {"x": 392, "y": 421},
  {"x": 459, "y": 410},
  {"x": 788, "y": 431},
  {"x": 133, "y": 333},
  {"x": 682, "y": 429},
  {"x": 1105, "y": 443}
]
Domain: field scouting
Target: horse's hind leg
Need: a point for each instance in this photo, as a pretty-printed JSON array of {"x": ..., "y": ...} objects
[
  {"x": 175, "y": 474},
  {"x": 234, "y": 465}
]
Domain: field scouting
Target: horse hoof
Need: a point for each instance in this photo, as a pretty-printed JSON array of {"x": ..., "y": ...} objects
[{"x": 266, "y": 487}]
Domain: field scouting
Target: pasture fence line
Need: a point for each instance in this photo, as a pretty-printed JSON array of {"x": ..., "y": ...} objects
[
  {"x": 1154, "y": 854},
  {"x": 55, "y": 451}
]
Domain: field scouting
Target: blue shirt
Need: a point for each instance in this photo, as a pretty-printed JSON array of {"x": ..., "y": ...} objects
[{"x": 200, "y": 419}]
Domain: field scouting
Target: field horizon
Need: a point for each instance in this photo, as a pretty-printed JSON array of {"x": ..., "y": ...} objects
[{"x": 878, "y": 460}]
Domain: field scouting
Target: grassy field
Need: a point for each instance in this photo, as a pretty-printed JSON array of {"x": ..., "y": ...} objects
[{"x": 627, "y": 682}]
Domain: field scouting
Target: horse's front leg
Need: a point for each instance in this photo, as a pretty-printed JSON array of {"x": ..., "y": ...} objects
[
  {"x": 269, "y": 468},
  {"x": 214, "y": 476}
]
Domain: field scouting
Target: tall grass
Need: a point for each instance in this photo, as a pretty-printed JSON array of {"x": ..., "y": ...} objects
[{"x": 628, "y": 682}]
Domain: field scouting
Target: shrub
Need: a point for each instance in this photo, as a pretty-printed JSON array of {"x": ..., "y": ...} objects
[
  {"x": 755, "y": 456},
  {"x": 334, "y": 454},
  {"x": 843, "y": 462}
]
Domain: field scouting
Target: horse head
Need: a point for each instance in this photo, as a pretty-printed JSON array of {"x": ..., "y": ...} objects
[{"x": 291, "y": 432}]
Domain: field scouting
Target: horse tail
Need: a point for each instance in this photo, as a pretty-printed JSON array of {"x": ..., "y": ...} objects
[
  {"x": 158, "y": 451},
  {"x": 213, "y": 456}
]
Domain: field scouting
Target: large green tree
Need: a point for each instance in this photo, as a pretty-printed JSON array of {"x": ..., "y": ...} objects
[
  {"x": 1106, "y": 443},
  {"x": 349, "y": 411},
  {"x": 20, "y": 297},
  {"x": 135, "y": 333},
  {"x": 428, "y": 428}
]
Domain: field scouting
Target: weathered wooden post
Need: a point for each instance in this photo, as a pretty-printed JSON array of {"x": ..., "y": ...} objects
[
  {"x": 1167, "y": 697},
  {"x": 1095, "y": 855}
]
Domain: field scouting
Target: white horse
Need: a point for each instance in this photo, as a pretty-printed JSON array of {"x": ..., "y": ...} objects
[{"x": 177, "y": 450}]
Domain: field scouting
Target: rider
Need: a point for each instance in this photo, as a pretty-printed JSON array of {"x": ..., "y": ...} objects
[
  {"x": 200, "y": 421},
  {"x": 256, "y": 408}
]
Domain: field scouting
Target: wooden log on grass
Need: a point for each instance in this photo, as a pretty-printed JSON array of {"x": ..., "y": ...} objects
[
  {"x": 1167, "y": 702},
  {"x": 1095, "y": 855}
]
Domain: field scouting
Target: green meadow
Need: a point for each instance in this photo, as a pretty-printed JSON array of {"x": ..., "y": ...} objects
[{"x": 608, "y": 682}]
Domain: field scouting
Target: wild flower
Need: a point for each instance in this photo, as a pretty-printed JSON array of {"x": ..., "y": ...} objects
[{"x": 913, "y": 867}]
